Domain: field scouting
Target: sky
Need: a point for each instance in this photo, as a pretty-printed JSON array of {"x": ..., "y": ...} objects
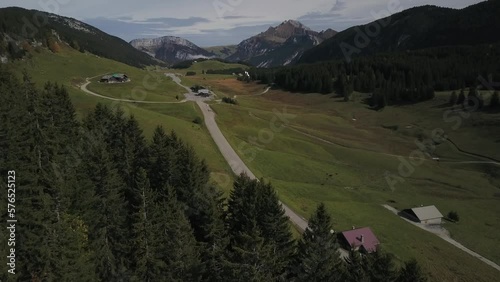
[{"x": 221, "y": 22}]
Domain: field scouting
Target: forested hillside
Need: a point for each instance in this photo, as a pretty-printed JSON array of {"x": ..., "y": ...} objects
[
  {"x": 19, "y": 28},
  {"x": 96, "y": 201},
  {"x": 394, "y": 78},
  {"x": 412, "y": 29}
]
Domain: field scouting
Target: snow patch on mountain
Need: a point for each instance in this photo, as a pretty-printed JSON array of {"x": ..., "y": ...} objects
[
  {"x": 171, "y": 49},
  {"x": 290, "y": 60}
]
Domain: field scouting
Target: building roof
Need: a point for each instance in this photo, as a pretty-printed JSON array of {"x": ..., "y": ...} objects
[
  {"x": 362, "y": 237},
  {"x": 106, "y": 77},
  {"x": 119, "y": 75},
  {"x": 424, "y": 213},
  {"x": 206, "y": 91}
]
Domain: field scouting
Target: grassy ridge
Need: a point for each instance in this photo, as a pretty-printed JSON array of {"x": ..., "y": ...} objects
[{"x": 150, "y": 87}]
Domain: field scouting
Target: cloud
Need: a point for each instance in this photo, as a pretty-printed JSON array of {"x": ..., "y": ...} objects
[
  {"x": 338, "y": 6},
  {"x": 173, "y": 22},
  {"x": 238, "y": 17}
]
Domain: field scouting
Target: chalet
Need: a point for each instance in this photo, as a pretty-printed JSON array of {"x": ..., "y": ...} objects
[
  {"x": 424, "y": 215},
  {"x": 203, "y": 92},
  {"x": 114, "y": 78},
  {"x": 361, "y": 239}
]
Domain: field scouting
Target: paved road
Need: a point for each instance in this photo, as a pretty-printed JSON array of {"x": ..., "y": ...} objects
[
  {"x": 235, "y": 162},
  {"x": 83, "y": 87},
  {"x": 445, "y": 235}
]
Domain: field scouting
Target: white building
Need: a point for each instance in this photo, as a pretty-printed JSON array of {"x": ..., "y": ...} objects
[
  {"x": 425, "y": 215},
  {"x": 204, "y": 92}
]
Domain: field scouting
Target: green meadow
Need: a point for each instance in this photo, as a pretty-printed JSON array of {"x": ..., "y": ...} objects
[
  {"x": 70, "y": 68},
  {"x": 198, "y": 67},
  {"x": 330, "y": 151},
  {"x": 339, "y": 153}
]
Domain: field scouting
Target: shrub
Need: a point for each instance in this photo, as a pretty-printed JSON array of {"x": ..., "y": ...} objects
[
  {"x": 453, "y": 216},
  {"x": 190, "y": 73},
  {"x": 229, "y": 101},
  {"x": 196, "y": 88},
  {"x": 198, "y": 120}
]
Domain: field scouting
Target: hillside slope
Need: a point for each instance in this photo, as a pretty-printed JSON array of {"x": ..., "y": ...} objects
[
  {"x": 19, "y": 26},
  {"x": 416, "y": 28},
  {"x": 222, "y": 51}
]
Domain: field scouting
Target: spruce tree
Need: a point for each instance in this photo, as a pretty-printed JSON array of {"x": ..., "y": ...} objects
[
  {"x": 250, "y": 254},
  {"x": 461, "y": 97},
  {"x": 380, "y": 267},
  {"x": 51, "y": 237},
  {"x": 144, "y": 235},
  {"x": 275, "y": 227},
  {"x": 133, "y": 157},
  {"x": 356, "y": 267},
  {"x": 317, "y": 257},
  {"x": 163, "y": 162},
  {"x": 108, "y": 233},
  {"x": 473, "y": 97},
  {"x": 453, "y": 98},
  {"x": 178, "y": 249},
  {"x": 495, "y": 100},
  {"x": 210, "y": 232},
  {"x": 411, "y": 272}
]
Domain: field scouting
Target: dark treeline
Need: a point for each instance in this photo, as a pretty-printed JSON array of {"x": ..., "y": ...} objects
[
  {"x": 226, "y": 71},
  {"x": 188, "y": 63},
  {"x": 97, "y": 201},
  {"x": 395, "y": 78}
]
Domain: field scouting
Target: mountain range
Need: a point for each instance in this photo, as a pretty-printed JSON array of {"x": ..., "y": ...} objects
[
  {"x": 280, "y": 45},
  {"x": 171, "y": 49},
  {"x": 286, "y": 44}
]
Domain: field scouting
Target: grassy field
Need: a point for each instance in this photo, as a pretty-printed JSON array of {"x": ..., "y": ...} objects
[
  {"x": 198, "y": 67},
  {"x": 71, "y": 68},
  {"x": 144, "y": 86},
  {"x": 332, "y": 152},
  {"x": 345, "y": 163}
]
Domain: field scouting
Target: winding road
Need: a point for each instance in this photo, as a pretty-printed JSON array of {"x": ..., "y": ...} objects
[
  {"x": 84, "y": 88},
  {"x": 235, "y": 162}
]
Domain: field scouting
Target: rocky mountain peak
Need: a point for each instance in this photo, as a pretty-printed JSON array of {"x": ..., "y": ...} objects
[
  {"x": 284, "y": 31},
  {"x": 294, "y": 23},
  {"x": 170, "y": 49}
]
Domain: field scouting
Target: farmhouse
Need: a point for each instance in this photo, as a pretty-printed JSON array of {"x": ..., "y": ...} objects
[
  {"x": 114, "y": 78},
  {"x": 424, "y": 215},
  {"x": 361, "y": 239},
  {"x": 203, "y": 92}
]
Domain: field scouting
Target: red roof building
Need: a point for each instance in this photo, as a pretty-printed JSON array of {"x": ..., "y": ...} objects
[{"x": 361, "y": 239}]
